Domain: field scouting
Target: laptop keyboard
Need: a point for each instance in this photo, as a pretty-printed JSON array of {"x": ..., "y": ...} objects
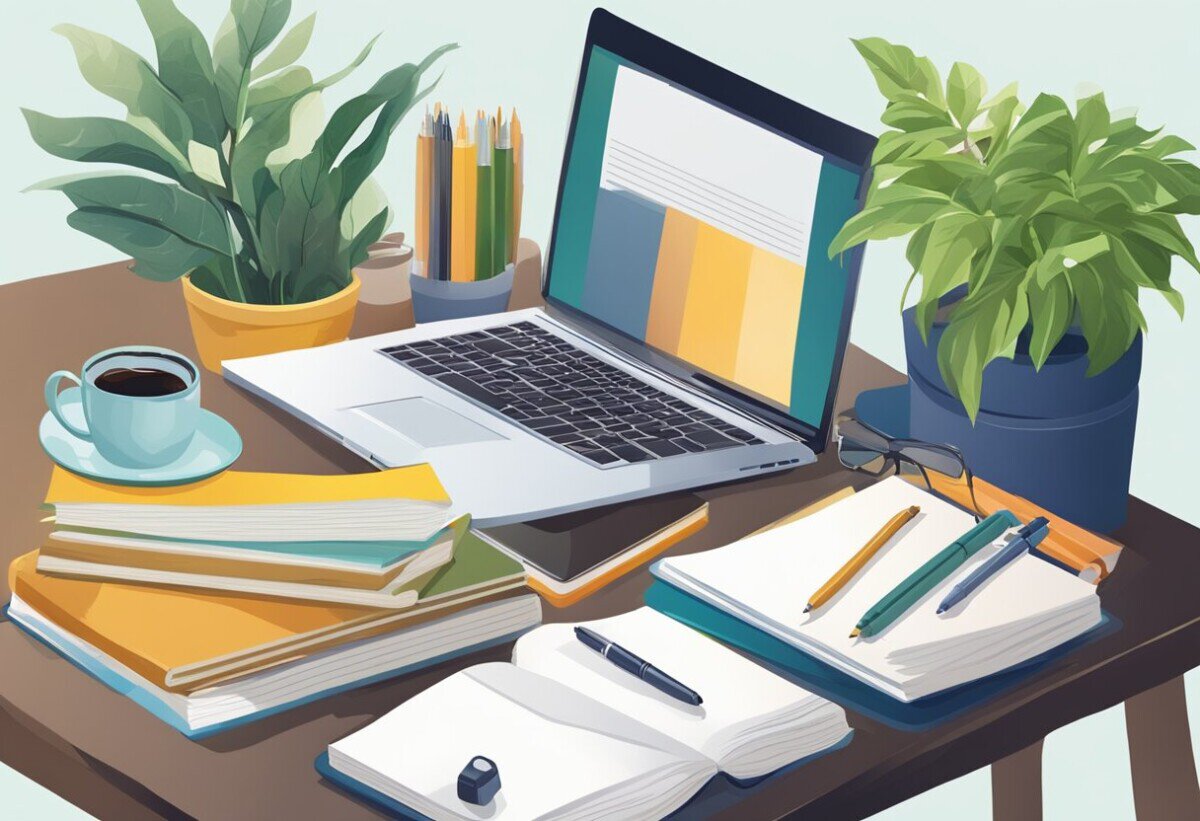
[{"x": 550, "y": 387}]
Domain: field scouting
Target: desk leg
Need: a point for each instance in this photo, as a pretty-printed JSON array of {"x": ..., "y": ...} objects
[
  {"x": 1017, "y": 785},
  {"x": 1160, "y": 753}
]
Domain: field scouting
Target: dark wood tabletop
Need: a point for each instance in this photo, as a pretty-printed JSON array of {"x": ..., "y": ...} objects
[{"x": 112, "y": 758}]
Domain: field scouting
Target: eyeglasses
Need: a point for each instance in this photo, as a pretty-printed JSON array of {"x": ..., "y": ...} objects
[{"x": 865, "y": 449}]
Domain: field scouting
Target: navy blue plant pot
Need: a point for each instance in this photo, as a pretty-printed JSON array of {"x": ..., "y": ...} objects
[{"x": 1057, "y": 437}]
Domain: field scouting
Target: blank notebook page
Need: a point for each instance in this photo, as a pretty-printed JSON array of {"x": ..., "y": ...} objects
[
  {"x": 769, "y": 578},
  {"x": 553, "y": 747},
  {"x": 738, "y": 694}
]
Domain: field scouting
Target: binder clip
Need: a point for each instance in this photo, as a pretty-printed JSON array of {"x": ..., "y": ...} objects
[{"x": 479, "y": 781}]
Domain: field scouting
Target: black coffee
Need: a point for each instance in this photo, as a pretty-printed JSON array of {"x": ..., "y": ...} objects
[{"x": 140, "y": 382}]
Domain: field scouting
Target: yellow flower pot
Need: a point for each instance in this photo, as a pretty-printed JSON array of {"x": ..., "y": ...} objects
[{"x": 231, "y": 330}]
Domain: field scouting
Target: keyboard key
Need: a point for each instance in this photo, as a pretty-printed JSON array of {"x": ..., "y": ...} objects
[
  {"x": 556, "y": 430},
  {"x": 688, "y": 445},
  {"x": 469, "y": 389},
  {"x": 600, "y": 457},
  {"x": 709, "y": 437},
  {"x": 661, "y": 447},
  {"x": 631, "y": 453}
]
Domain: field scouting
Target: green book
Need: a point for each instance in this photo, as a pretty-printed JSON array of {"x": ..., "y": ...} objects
[{"x": 476, "y": 566}]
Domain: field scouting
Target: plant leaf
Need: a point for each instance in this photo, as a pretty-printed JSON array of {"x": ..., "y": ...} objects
[
  {"x": 205, "y": 163},
  {"x": 1051, "y": 309},
  {"x": 284, "y": 85},
  {"x": 886, "y": 221},
  {"x": 356, "y": 250},
  {"x": 896, "y": 69},
  {"x": 1108, "y": 324},
  {"x": 954, "y": 240},
  {"x": 982, "y": 326},
  {"x": 362, "y": 161},
  {"x": 271, "y": 130},
  {"x": 965, "y": 89},
  {"x": 118, "y": 72},
  {"x": 185, "y": 67},
  {"x": 248, "y": 29},
  {"x": 158, "y": 254},
  {"x": 288, "y": 50},
  {"x": 190, "y": 217},
  {"x": 100, "y": 139}
]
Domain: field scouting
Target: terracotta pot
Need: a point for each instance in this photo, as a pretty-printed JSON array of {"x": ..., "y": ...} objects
[{"x": 232, "y": 330}]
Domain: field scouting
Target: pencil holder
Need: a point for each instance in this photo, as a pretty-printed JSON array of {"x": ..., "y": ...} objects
[{"x": 434, "y": 300}]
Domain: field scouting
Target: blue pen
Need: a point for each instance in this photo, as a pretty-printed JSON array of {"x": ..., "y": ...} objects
[{"x": 1026, "y": 538}]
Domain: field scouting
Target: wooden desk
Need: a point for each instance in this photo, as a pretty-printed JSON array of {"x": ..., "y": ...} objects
[{"x": 110, "y": 757}]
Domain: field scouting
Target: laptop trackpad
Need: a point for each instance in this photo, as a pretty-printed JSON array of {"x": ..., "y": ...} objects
[{"x": 426, "y": 422}]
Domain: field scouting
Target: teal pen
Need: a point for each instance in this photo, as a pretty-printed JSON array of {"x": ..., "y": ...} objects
[{"x": 929, "y": 575}]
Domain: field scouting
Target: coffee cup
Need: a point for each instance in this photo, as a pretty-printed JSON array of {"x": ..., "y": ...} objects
[{"x": 141, "y": 404}]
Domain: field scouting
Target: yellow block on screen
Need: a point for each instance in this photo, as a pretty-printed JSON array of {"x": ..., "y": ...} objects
[
  {"x": 671, "y": 274},
  {"x": 712, "y": 316},
  {"x": 768, "y": 341}
]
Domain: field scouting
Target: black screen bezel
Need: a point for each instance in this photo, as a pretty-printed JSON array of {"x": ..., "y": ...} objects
[{"x": 757, "y": 104}]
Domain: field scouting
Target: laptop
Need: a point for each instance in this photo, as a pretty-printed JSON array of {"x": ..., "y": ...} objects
[{"x": 694, "y": 323}]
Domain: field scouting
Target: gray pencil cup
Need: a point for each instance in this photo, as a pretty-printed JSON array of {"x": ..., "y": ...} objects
[{"x": 434, "y": 300}]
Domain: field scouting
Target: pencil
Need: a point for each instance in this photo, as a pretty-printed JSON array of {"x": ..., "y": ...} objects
[
  {"x": 462, "y": 202},
  {"x": 502, "y": 169},
  {"x": 859, "y": 560},
  {"x": 424, "y": 168},
  {"x": 518, "y": 185},
  {"x": 483, "y": 200}
]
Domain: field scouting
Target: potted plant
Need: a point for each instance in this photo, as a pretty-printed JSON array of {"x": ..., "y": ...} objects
[
  {"x": 1033, "y": 233},
  {"x": 261, "y": 211}
]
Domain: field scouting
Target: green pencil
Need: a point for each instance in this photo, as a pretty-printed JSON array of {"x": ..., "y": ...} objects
[
  {"x": 484, "y": 207},
  {"x": 929, "y": 575},
  {"x": 502, "y": 179}
]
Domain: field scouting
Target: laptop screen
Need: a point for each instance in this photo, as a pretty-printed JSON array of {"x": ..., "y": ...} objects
[{"x": 704, "y": 235}]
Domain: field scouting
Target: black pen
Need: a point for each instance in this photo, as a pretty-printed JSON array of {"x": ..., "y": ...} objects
[{"x": 644, "y": 670}]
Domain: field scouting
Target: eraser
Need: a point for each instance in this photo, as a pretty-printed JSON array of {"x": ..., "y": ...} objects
[{"x": 479, "y": 781}]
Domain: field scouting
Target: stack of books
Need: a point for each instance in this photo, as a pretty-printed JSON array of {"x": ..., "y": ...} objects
[{"x": 215, "y": 603}]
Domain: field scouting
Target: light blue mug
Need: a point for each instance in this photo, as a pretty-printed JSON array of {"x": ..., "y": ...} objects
[{"x": 141, "y": 404}]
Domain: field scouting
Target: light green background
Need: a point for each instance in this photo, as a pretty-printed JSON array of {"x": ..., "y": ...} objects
[{"x": 526, "y": 54}]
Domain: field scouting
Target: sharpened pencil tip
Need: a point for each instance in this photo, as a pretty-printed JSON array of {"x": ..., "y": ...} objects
[
  {"x": 807, "y": 607},
  {"x": 941, "y": 610},
  {"x": 854, "y": 633}
]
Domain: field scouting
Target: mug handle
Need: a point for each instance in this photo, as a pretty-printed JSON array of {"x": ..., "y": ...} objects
[{"x": 55, "y": 408}]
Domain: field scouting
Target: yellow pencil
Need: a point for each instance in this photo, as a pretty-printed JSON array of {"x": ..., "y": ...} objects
[
  {"x": 518, "y": 146},
  {"x": 860, "y": 559},
  {"x": 424, "y": 172},
  {"x": 462, "y": 204}
]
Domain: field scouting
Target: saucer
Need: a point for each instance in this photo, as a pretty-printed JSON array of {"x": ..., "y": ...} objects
[{"x": 213, "y": 448}]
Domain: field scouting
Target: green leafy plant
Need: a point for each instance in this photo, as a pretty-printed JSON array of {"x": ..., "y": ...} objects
[
  {"x": 250, "y": 194},
  {"x": 1050, "y": 218}
]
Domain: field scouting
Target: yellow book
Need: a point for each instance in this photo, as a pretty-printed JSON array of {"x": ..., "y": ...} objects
[
  {"x": 181, "y": 639},
  {"x": 401, "y": 504},
  {"x": 462, "y": 204}
]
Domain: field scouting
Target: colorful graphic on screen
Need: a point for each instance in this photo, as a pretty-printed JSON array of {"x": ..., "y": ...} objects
[{"x": 704, "y": 235}]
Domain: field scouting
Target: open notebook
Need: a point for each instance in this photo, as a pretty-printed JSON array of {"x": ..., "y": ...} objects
[
  {"x": 575, "y": 737},
  {"x": 1024, "y": 611}
]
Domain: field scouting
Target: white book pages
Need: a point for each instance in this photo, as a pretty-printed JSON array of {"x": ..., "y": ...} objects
[
  {"x": 767, "y": 580},
  {"x": 743, "y": 702},
  {"x": 559, "y": 753}
]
